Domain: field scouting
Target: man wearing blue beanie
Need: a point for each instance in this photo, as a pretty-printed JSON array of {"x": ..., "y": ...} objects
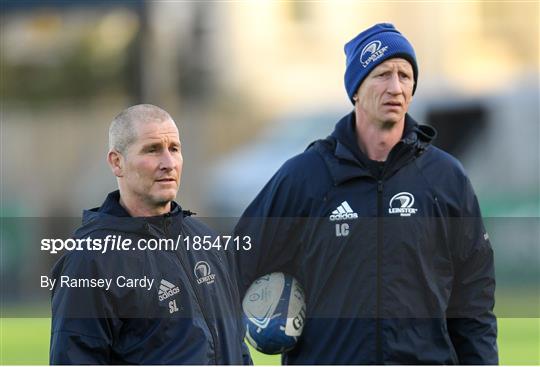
[
  {"x": 371, "y": 48},
  {"x": 382, "y": 229}
]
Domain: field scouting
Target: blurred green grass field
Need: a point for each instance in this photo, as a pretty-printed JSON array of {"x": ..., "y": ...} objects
[{"x": 25, "y": 341}]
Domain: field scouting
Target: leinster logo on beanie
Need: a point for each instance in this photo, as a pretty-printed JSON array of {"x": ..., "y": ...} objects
[
  {"x": 372, "y": 47},
  {"x": 371, "y": 52}
]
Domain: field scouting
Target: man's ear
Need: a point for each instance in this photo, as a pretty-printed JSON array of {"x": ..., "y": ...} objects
[{"x": 116, "y": 162}]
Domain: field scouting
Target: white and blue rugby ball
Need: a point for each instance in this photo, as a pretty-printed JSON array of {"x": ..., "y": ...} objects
[{"x": 274, "y": 313}]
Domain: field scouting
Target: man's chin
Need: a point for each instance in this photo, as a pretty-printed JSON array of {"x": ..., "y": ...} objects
[
  {"x": 163, "y": 198},
  {"x": 388, "y": 121}
]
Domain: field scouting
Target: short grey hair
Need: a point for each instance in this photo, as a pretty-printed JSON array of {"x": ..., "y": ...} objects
[{"x": 122, "y": 131}]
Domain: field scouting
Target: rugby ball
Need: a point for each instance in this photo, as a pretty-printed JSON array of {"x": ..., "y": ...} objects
[{"x": 274, "y": 313}]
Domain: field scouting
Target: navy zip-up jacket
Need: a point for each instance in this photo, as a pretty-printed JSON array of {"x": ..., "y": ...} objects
[
  {"x": 188, "y": 316},
  {"x": 394, "y": 258}
]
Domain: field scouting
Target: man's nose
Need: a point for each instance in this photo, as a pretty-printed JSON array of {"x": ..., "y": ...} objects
[
  {"x": 394, "y": 85},
  {"x": 167, "y": 161}
]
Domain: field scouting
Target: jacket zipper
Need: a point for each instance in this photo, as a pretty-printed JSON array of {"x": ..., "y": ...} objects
[
  {"x": 191, "y": 282},
  {"x": 378, "y": 336}
]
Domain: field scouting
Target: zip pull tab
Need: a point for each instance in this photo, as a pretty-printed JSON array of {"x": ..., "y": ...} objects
[{"x": 379, "y": 186}]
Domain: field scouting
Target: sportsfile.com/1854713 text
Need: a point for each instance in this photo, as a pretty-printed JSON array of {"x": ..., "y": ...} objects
[{"x": 120, "y": 243}]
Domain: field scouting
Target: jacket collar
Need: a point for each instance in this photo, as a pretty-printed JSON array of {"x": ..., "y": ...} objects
[
  {"x": 112, "y": 216},
  {"x": 347, "y": 161},
  {"x": 111, "y": 206}
]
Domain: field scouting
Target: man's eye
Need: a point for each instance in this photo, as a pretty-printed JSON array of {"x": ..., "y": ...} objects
[{"x": 405, "y": 76}]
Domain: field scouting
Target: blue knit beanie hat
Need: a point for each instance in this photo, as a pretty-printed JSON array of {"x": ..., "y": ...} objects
[{"x": 372, "y": 47}]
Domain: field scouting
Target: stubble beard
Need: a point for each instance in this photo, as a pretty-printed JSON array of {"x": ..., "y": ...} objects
[{"x": 387, "y": 124}]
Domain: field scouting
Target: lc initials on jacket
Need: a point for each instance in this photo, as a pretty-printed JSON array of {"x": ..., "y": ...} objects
[{"x": 394, "y": 258}]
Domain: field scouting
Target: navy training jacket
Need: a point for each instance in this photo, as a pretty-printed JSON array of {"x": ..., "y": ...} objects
[
  {"x": 394, "y": 258},
  {"x": 190, "y": 314}
]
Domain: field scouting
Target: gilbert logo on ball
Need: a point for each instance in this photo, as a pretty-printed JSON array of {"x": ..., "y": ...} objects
[{"x": 274, "y": 313}]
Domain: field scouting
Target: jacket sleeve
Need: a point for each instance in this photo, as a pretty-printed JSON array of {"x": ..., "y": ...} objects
[
  {"x": 82, "y": 318},
  {"x": 271, "y": 222},
  {"x": 471, "y": 322},
  {"x": 231, "y": 266},
  {"x": 72, "y": 347},
  {"x": 246, "y": 356}
]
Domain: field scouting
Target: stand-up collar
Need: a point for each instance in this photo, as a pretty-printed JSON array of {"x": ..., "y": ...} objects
[
  {"x": 112, "y": 216},
  {"x": 345, "y": 134},
  {"x": 348, "y": 161},
  {"x": 111, "y": 206}
]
